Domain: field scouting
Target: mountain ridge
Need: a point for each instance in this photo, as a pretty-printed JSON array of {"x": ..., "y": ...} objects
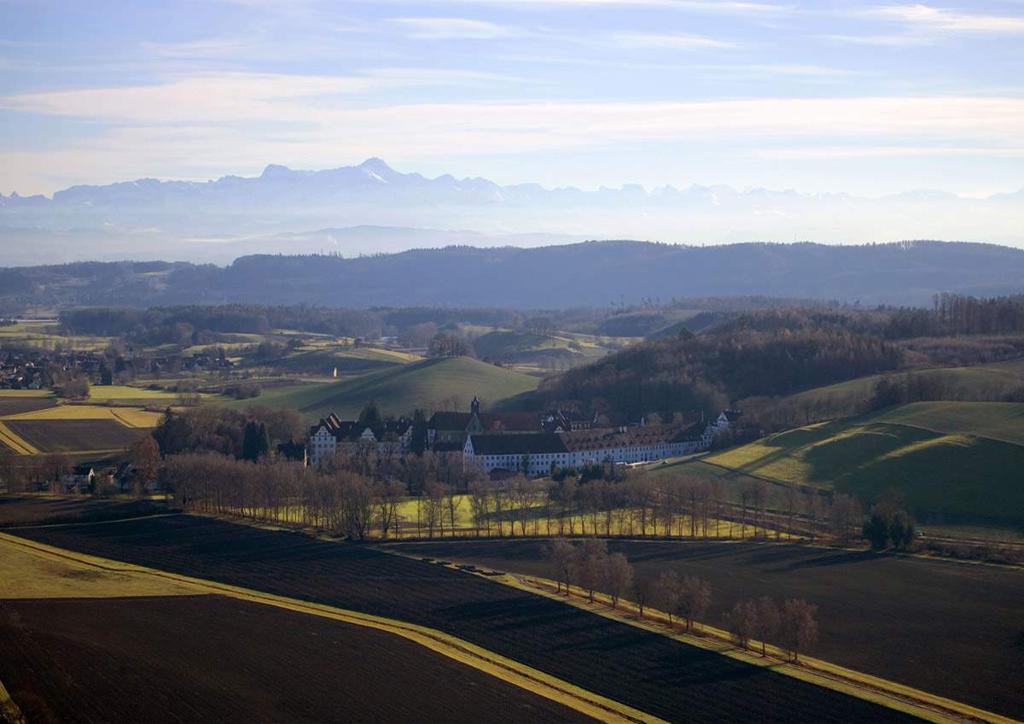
[
  {"x": 594, "y": 273},
  {"x": 377, "y": 170}
]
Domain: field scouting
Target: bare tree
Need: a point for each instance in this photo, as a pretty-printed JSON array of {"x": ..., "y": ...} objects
[
  {"x": 791, "y": 497},
  {"x": 145, "y": 457},
  {"x": 768, "y": 620},
  {"x": 694, "y": 599},
  {"x": 845, "y": 517},
  {"x": 561, "y": 555},
  {"x": 799, "y": 625},
  {"x": 742, "y": 622},
  {"x": 433, "y": 507},
  {"x": 668, "y": 590},
  {"x": 591, "y": 559},
  {"x": 480, "y": 506},
  {"x": 760, "y": 499},
  {"x": 454, "y": 502},
  {"x": 645, "y": 590},
  {"x": 389, "y": 494},
  {"x": 618, "y": 577}
]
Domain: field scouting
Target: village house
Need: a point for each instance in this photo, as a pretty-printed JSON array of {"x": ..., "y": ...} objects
[{"x": 332, "y": 435}]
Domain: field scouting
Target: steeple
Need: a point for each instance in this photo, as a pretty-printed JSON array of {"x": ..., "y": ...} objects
[{"x": 474, "y": 406}]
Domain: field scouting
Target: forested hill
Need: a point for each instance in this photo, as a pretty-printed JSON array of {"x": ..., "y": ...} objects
[{"x": 589, "y": 274}]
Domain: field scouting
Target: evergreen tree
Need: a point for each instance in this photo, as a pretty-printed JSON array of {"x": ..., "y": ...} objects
[{"x": 418, "y": 444}]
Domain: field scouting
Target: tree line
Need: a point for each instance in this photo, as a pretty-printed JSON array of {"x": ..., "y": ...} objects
[
  {"x": 590, "y": 568},
  {"x": 445, "y": 500}
]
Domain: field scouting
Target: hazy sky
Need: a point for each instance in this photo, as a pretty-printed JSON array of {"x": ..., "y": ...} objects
[{"x": 831, "y": 95}]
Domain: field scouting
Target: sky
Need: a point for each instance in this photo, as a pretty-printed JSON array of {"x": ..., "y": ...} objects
[{"x": 869, "y": 98}]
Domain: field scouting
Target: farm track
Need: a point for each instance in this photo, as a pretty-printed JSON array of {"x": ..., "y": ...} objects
[{"x": 623, "y": 663}]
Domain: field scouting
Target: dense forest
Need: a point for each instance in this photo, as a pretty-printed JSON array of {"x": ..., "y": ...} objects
[
  {"x": 593, "y": 274},
  {"x": 709, "y": 371},
  {"x": 771, "y": 353}
]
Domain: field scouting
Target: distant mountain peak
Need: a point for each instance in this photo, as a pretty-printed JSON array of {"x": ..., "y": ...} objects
[
  {"x": 275, "y": 170},
  {"x": 376, "y": 164}
]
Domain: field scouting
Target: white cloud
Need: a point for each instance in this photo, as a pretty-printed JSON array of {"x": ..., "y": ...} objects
[
  {"x": 241, "y": 99},
  {"x": 667, "y": 41},
  {"x": 236, "y": 98},
  {"x": 708, "y": 6},
  {"x": 928, "y": 18},
  {"x": 819, "y": 153},
  {"x": 452, "y": 28},
  {"x": 202, "y": 126}
]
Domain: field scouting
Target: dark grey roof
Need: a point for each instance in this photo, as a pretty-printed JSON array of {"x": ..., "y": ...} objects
[
  {"x": 449, "y": 420},
  {"x": 540, "y": 443}
]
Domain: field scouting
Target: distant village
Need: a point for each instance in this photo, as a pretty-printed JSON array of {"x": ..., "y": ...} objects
[
  {"x": 40, "y": 369},
  {"x": 522, "y": 442}
]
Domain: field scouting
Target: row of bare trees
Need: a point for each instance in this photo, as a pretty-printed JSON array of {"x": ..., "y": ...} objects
[
  {"x": 345, "y": 503},
  {"x": 794, "y": 623},
  {"x": 334, "y": 497},
  {"x": 590, "y": 568}
]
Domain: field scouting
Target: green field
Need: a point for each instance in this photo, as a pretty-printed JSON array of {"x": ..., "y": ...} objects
[
  {"x": 46, "y": 334},
  {"x": 995, "y": 420},
  {"x": 126, "y": 395},
  {"x": 323, "y": 357},
  {"x": 429, "y": 384},
  {"x": 948, "y": 471},
  {"x": 531, "y": 352},
  {"x": 990, "y": 379}
]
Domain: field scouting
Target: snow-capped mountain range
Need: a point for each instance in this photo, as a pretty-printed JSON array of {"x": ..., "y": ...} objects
[{"x": 372, "y": 208}]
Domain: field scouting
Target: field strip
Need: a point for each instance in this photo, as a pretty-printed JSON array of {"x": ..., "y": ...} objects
[
  {"x": 891, "y": 694},
  {"x": 9, "y": 711},
  {"x": 508, "y": 670},
  {"x": 20, "y": 446},
  {"x": 123, "y": 418},
  {"x": 79, "y": 524}
]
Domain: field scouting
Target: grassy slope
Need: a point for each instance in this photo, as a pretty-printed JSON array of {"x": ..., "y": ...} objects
[
  {"x": 978, "y": 379},
  {"x": 945, "y": 471},
  {"x": 995, "y": 420},
  {"x": 427, "y": 384}
]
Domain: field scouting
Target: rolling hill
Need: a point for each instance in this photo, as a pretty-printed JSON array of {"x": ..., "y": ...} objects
[
  {"x": 430, "y": 384},
  {"x": 972, "y": 380},
  {"x": 944, "y": 458}
]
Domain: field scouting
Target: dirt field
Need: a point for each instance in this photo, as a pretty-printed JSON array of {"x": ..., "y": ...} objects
[
  {"x": 40, "y": 510},
  {"x": 641, "y": 669},
  {"x": 10, "y": 405},
  {"x": 208, "y": 658},
  {"x": 74, "y": 435},
  {"x": 951, "y": 628}
]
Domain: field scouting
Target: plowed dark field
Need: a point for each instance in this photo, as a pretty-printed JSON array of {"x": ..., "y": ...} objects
[
  {"x": 38, "y": 510},
  {"x": 72, "y": 435},
  {"x": 951, "y": 628},
  {"x": 18, "y": 405},
  {"x": 208, "y": 658},
  {"x": 644, "y": 670}
]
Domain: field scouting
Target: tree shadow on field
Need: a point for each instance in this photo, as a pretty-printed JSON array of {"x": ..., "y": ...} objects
[{"x": 839, "y": 558}]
